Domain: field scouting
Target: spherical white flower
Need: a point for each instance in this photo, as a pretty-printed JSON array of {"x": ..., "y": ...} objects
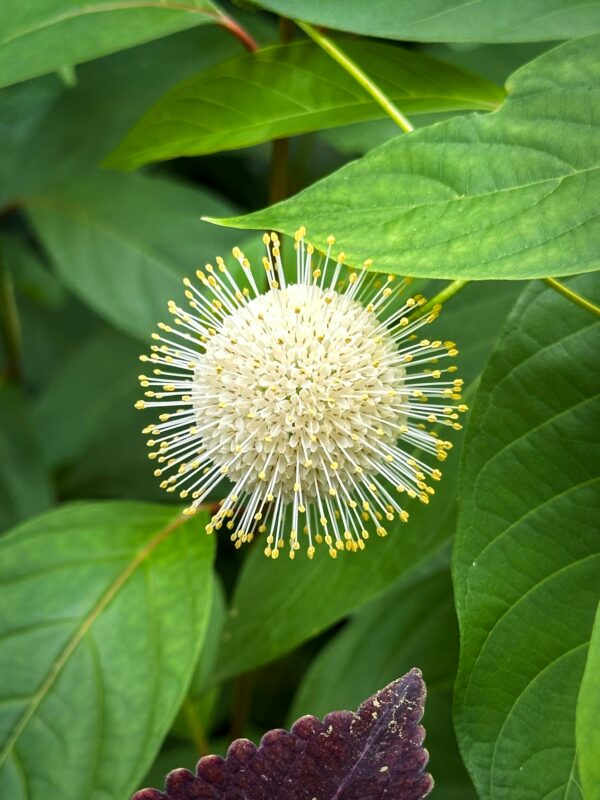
[{"x": 299, "y": 399}]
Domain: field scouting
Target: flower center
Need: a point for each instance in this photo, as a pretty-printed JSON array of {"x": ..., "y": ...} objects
[{"x": 298, "y": 384}]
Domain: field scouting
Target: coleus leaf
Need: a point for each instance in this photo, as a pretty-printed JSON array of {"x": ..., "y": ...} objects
[{"x": 372, "y": 754}]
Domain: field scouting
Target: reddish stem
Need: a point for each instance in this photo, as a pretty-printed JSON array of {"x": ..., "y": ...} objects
[{"x": 236, "y": 29}]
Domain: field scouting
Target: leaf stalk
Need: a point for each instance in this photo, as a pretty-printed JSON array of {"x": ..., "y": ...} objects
[
  {"x": 352, "y": 68},
  {"x": 583, "y": 302},
  {"x": 445, "y": 294}
]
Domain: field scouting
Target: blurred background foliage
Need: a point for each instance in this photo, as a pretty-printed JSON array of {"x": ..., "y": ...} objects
[{"x": 132, "y": 651}]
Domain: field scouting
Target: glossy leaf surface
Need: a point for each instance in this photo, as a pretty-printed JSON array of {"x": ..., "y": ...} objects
[
  {"x": 50, "y": 133},
  {"x": 449, "y": 20},
  {"x": 123, "y": 243},
  {"x": 513, "y": 194},
  {"x": 588, "y": 712},
  {"x": 281, "y": 91},
  {"x": 40, "y": 36},
  {"x": 103, "y": 610},
  {"x": 25, "y": 486}
]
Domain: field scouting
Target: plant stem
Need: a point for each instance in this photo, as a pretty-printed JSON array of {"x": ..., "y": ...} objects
[
  {"x": 358, "y": 74},
  {"x": 236, "y": 30},
  {"x": 446, "y": 293},
  {"x": 195, "y": 726},
  {"x": 10, "y": 323},
  {"x": 573, "y": 296},
  {"x": 241, "y": 705},
  {"x": 278, "y": 178}
]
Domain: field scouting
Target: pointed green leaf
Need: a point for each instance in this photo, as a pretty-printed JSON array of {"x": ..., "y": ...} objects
[
  {"x": 449, "y": 20},
  {"x": 104, "y": 608},
  {"x": 123, "y": 243},
  {"x": 513, "y": 194},
  {"x": 49, "y": 134},
  {"x": 281, "y": 91},
  {"x": 25, "y": 486},
  {"x": 45, "y": 36},
  {"x": 527, "y": 552}
]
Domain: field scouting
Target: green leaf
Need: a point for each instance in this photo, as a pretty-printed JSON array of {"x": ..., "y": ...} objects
[
  {"x": 196, "y": 716},
  {"x": 90, "y": 386},
  {"x": 51, "y": 321},
  {"x": 513, "y": 194},
  {"x": 527, "y": 549},
  {"x": 449, "y": 20},
  {"x": 49, "y": 133},
  {"x": 280, "y": 91},
  {"x": 45, "y": 36},
  {"x": 109, "y": 604},
  {"x": 97, "y": 385},
  {"x": 588, "y": 714},
  {"x": 305, "y": 597},
  {"x": 412, "y": 624},
  {"x": 123, "y": 243},
  {"x": 25, "y": 487},
  {"x": 30, "y": 276}
]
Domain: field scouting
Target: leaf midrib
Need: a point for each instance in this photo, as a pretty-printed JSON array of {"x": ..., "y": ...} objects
[
  {"x": 556, "y": 179},
  {"x": 85, "y": 625},
  {"x": 370, "y": 108}
]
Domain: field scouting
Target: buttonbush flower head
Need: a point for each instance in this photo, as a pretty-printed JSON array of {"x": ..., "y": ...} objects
[{"x": 312, "y": 401}]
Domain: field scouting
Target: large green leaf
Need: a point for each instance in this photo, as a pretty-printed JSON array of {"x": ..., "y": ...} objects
[
  {"x": 123, "y": 243},
  {"x": 90, "y": 386},
  {"x": 527, "y": 552},
  {"x": 449, "y": 20},
  {"x": 50, "y": 133},
  {"x": 305, "y": 597},
  {"x": 588, "y": 714},
  {"x": 104, "y": 608},
  {"x": 97, "y": 385},
  {"x": 196, "y": 716},
  {"x": 410, "y": 625},
  {"x": 281, "y": 91},
  {"x": 41, "y": 36},
  {"x": 512, "y": 194},
  {"x": 25, "y": 487}
]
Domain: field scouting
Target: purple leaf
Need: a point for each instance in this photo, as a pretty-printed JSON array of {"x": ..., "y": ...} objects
[{"x": 375, "y": 754}]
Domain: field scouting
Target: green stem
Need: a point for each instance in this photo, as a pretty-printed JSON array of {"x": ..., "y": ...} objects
[
  {"x": 195, "y": 727},
  {"x": 573, "y": 296},
  {"x": 447, "y": 292},
  {"x": 242, "y": 690},
  {"x": 278, "y": 179},
  {"x": 10, "y": 323},
  {"x": 358, "y": 74}
]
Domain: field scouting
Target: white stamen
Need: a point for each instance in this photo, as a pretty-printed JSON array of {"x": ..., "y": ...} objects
[{"x": 303, "y": 398}]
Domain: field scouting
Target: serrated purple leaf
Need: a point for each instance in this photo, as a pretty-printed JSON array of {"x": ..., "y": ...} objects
[{"x": 374, "y": 754}]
